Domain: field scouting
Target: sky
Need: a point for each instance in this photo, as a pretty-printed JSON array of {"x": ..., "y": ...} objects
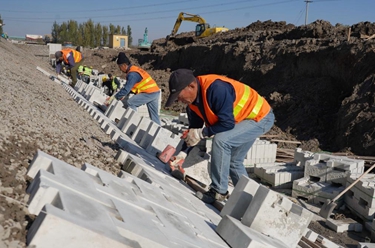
[{"x": 23, "y": 17}]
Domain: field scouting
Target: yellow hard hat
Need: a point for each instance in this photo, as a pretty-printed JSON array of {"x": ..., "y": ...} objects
[{"x": 104, "y": 79}]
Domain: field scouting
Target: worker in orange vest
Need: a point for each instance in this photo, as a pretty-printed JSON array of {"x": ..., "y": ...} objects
[
  {"x": 231, "y": 112},
  {"x": 71, "y": 58},
  {"x": 140, "y": 83}
]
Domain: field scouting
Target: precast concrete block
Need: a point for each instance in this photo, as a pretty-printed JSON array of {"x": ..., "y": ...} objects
[
  {"x": 131, "y": 124},
  {"x": 128, "y": 114},
  {"x": 262, "y": 151},
  {"x": 359, "y": 206},
  {"x": 300, "y": 156},
  {"x": 240, "y": 199},
  {"x": 366, "y": 245},
  {"x": 344, "y": 225},
  {"x": 238, "y": 235},
  {"x": 110, "y": 107},
  {"x": 316, "y": 192},
  {"x": 141, "y": 129},
  {"x": 310, "y": 235},
  {"x": 97, "y": 96},
  {"x": 117, "y": 111},
  {"x": 281, "y": 176},
  {"x": 316, "y": 171},
  {"x": 327, "y": 243},
  {"x": 162, "y": 138},
  {"x": 364, "y": 189},
  {"x": 196, "y": 165},
  {"x": 275, "y": 215}
]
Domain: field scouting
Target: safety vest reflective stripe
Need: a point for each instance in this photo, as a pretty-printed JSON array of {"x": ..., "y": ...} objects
[
  {"x": 141, "y": 86},
  {"x": 256, "y": 108},
  {"x": 114, "y": 85},
  {"x": 242, "y": 101}
]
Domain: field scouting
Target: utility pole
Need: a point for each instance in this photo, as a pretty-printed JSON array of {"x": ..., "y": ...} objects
[{"x": 307, "y": 10}]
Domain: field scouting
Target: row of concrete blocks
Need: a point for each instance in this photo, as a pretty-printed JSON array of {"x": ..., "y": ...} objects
[
  {"x": 93, "y": 208},
  {"x": 256, "y": 242},
  {"x": 254, "y": 216},
  {"x": 146, "y": 133}
]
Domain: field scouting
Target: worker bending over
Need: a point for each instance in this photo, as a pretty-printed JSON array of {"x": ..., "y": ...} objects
[
  {"x": 112, "y": 84},
  {"x": 71, "y": 58},
  {"x": 142, "y": 85},
  {"x": 234, "y": 114}
]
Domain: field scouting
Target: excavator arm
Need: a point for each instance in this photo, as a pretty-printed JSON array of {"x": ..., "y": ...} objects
[{"x": 186, "y": 17}]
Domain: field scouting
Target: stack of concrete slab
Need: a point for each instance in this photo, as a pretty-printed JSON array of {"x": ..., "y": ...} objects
[
  {"x": 325, "y": 177},
  {"x": 282, "y": 175},
  {"x": 262, "y": 151},
  {"x": 279, "y": 175},
  {"x": 256, "y": 216}
]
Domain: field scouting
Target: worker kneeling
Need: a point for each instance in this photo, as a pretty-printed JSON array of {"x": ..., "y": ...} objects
[{"x": 234, "y": 114}]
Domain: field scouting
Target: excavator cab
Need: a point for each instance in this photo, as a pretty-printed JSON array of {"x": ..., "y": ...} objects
[{"x": 200, "y": 28}]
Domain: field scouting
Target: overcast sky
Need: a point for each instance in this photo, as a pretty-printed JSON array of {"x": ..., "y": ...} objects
[{"x": 23, "y": 17}]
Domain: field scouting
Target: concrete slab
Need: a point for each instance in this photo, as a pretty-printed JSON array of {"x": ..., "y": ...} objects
[
  {"x": 273, "y": 214},
  {"x": 238, "y": 235}
]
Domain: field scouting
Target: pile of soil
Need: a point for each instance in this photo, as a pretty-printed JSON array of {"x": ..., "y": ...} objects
[{"x": 318, "y": 78}]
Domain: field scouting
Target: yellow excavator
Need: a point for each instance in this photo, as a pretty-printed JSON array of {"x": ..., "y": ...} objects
[{"x": 202, "y": 29}]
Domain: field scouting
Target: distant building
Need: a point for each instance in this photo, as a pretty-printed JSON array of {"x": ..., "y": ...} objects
[{"x": 118, "y": 40}]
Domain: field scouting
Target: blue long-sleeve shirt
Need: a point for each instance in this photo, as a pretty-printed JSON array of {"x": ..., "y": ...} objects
[
  {"x": 132, "y": 78},
  {"x": 71, "y": 63},
  {"x": 220, "y": 97}
]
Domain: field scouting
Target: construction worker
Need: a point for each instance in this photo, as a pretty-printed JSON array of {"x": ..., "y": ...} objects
[
  {"x": 87, "y": 72},
  {"x": 80, "y": 72},
  {"x": 112, "y": 84},
  {"x": 142, "y": 85},
  {"x": 234, "y": 114},
  {"x": 71, "y": 58}
]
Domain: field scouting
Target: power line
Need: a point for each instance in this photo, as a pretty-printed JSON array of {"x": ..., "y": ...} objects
[
  {"x": 165, "y": 17},
  {"x": 136, "y": 14}
]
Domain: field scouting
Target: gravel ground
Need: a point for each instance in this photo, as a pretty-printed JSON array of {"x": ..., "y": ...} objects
[{"x": 37, "y": 113}]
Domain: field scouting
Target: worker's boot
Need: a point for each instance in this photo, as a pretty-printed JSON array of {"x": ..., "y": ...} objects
[{"x": 211, "y": 196}]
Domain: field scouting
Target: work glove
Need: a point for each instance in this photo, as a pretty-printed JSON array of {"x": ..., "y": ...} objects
[
  {"x": 109, "y": 100},
  {"x": 194, "y": 136},
  {"x": 176, "y": 159}
]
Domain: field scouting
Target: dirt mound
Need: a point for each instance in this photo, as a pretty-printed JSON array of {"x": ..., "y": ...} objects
[{"x": 310, "y": 75}]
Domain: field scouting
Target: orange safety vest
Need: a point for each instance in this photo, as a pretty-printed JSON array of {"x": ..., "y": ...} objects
[
  {"x": 146, "y": 85},
  {"x": 247, "y": 105},
  {"x": 76, "y": 55}
]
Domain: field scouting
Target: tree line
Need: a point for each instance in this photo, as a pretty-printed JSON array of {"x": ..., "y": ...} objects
[{"x": 87, "y": 34}]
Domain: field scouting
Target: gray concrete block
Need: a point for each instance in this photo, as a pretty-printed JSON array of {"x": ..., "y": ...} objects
[
  {"x": 275, "y": 215},
  {"x": 345, "y": 225},
  {"x": 196, "y": 165},
  {"x": 240, "y": 198},
  {"x": 279, "y": 176},
  {"x": 238, "y": 235}
]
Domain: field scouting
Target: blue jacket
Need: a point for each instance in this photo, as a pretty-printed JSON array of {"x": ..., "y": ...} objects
[
  {"x": 220, "y": 97},
  {"x": 131, "y": 79}
]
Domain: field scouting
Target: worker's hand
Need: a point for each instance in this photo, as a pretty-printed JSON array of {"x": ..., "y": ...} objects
[
  {"x": 109, "y": 100},
  {"x": 194, "y": 136},
  {"x": 176, "y": 159}
]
